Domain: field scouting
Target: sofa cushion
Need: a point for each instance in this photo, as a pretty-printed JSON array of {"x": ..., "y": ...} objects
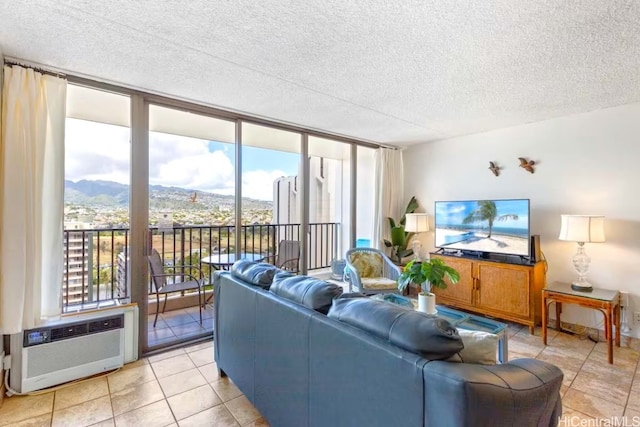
[
  {"x": 479, "y": 347},
  {"x": 313, "y": 293},
  {"x": 431, "y": 337},
  {"x": 257, "y": 273}
]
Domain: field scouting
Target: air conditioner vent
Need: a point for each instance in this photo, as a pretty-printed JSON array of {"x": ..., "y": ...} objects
[
  {"x": 68, "y": 331},
  {"x": 106, "y": 324},
  {"x": 44, "y": 335}
]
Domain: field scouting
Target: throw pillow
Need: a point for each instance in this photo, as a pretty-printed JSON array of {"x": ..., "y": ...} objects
[
  {"x": 368, "y": 264},
  {"x": 479, "y": 347},
  {"x": 257, "y": 273},
  {"x": 313, "y": 293}
]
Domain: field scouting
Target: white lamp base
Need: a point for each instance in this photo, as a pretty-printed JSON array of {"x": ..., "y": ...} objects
[
  {"x": 581, "y": 263},
  {"x": 582, "y": 286},
  {"x": 416, "y": 246}
]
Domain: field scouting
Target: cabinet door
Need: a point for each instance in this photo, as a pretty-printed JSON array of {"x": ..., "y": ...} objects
[
  {"x": 504, "y": 288},
  {"x": 461, "y": 292}
]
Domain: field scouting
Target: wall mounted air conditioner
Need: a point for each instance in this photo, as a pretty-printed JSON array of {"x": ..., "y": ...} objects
[{"x": 74, "y": 347}]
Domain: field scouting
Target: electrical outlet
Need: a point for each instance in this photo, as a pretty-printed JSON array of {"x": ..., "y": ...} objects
[
  {"x": 6, "y": 362},
  {"x": 636, "y": 317}
]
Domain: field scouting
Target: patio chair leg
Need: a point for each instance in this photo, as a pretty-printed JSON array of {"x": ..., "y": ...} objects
[
  {"x": 157, "y": 310},
  {"x": 200, "y": 306}
]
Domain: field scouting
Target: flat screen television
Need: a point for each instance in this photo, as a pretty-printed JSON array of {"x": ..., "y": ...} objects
[{"x": 483, "y": 226}]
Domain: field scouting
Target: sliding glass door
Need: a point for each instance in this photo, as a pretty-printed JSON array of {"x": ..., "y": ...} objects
[{"x": 191, "y": 217}]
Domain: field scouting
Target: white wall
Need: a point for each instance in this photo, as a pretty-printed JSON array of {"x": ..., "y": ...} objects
[{"x": 585, "y": 164}]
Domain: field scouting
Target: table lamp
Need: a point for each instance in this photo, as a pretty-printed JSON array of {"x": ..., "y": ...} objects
[
  {"x": 582, "y": 229},
  {"x": 416, "y": 223}
]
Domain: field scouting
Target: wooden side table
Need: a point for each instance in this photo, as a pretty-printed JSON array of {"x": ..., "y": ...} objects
[{"x": 604, "y": 300}]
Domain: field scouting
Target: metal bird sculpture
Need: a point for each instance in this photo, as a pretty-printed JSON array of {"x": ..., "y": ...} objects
[
  {"x": 194, "y": 197},
  {"x": 527, "y": 165},
  {"x": 494, "y": 168}
]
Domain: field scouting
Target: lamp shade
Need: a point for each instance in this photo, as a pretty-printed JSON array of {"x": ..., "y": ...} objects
[
  {"x": 582, "y": 228},
  {"x": 416, "y": 222}
]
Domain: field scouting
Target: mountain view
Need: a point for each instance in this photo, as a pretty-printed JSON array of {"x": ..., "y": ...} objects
[{"x": 106, "y": 204}]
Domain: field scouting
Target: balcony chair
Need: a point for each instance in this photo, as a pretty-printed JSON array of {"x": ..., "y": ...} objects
[
  {"x": 371, "y": 271},
  {"x": 287, "y": 257},
  {"x": 159, "y": 279}
]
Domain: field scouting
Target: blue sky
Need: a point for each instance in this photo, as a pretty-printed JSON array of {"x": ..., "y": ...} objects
[{"x": 260, "y": 158}]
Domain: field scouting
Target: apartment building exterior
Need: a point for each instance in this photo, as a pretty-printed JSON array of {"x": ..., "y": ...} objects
[
  {"x": 78, "y": 262},
  {"x": 324, "y": 205}
]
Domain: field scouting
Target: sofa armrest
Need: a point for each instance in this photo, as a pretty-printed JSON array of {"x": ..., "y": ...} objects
[{"x": 523, "y": 392}]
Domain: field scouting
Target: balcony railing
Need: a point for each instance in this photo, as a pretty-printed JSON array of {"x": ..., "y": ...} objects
[{"x": 96, "y": 263}]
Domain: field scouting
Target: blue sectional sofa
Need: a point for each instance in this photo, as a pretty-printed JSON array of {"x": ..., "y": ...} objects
[{"x": 301, "y": 367}]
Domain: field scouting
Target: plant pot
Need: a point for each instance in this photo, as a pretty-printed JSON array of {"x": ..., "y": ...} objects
[{"x": 427, "y": 303}]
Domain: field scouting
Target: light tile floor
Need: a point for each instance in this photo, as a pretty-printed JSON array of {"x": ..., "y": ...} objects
[
  {"x": 179, "y": 387},
  {"x": 182, "y": 387}
]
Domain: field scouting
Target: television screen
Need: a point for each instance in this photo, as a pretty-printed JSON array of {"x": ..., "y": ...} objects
[{"x": 494, "y": 226}]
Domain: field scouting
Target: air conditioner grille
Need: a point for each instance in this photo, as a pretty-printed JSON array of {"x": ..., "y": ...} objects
[{"x": 70, "y": 353}]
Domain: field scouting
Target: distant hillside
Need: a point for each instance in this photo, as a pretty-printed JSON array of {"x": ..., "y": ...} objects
[{"x": 108, "y": 193}]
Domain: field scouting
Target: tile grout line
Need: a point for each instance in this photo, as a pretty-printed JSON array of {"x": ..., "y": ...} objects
[{"x": 175, "y": 419}]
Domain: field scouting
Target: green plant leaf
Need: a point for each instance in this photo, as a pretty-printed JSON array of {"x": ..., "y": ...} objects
[
  {"x": 411, "y": 207},
  {"x": 392, "y": 223},
  {"x": 433, "y": 271},
  {"x": 398, "y": 237}
]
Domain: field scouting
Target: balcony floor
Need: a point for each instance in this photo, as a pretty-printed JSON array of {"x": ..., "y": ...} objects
[{"x": 181, "y": 324}]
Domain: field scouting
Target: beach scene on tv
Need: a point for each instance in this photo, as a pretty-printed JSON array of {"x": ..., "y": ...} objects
[{"x": 500, "y": 226}]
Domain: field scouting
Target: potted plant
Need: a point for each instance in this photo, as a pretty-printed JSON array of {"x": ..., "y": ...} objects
[
  {"x": 399, "y": 237},
  {"x": 427, "y": 274}
]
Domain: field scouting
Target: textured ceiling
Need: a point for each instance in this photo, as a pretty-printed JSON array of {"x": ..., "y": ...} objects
[{"x": 390, "y": 72}]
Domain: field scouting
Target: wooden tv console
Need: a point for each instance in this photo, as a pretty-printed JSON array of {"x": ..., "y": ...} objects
[{"x": 497, "y": 289}]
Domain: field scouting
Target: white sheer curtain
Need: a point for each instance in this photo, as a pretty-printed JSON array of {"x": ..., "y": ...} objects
[
  {"x": 31, "y": 202},
  {"x": 389, "y": 192}
]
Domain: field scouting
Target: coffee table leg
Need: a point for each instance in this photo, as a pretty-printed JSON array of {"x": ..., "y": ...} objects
[{"x": 503, "y": 344}]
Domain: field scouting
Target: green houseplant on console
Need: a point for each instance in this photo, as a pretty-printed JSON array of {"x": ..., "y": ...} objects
[
  {"x": 400, "y": 238},
  {"x": 427, "y": 274}
]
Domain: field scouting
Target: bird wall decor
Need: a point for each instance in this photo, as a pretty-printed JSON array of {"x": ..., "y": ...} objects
[
  {"x": 494, "y": 168},
  {"x": 527, "y": 164}
]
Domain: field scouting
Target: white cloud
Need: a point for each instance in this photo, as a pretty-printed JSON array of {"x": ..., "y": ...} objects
[
  {"x": 258, "y": 184},
  {"x": 96, "y": 151},
  {"x": 186, "y": 162},
  {"x": 100, "y": 151}
]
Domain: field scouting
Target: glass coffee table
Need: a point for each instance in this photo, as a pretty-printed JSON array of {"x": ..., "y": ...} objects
[
  {"x": 471, "y": 322},
  {"x": 461, "y": 320}
]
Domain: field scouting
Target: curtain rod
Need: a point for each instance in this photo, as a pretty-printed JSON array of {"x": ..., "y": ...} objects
[{"x": 40, "y": 70}]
